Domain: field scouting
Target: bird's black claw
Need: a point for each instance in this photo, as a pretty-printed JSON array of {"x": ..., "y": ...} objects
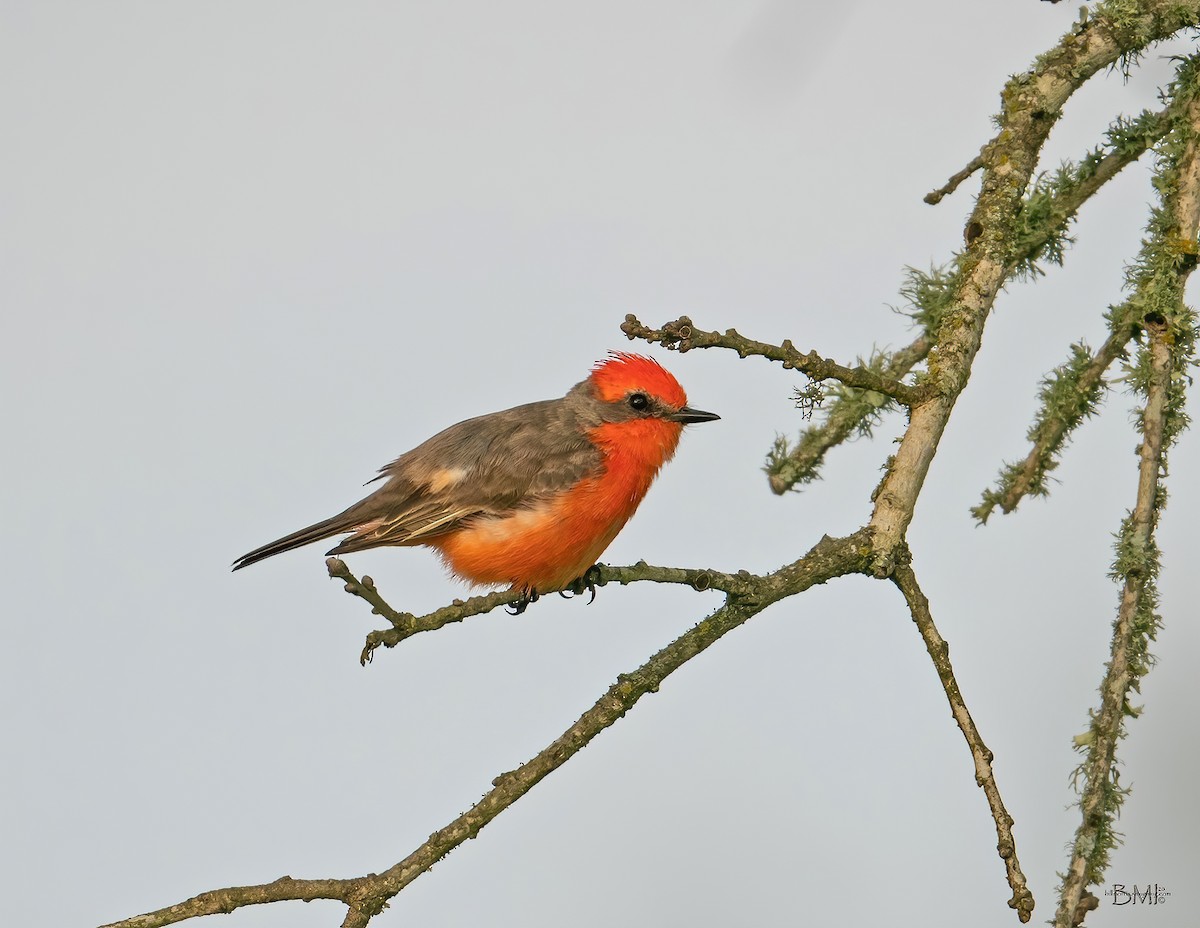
[
  {"x": 588, "y": 582},
  {"x": 527, "y": 596}
]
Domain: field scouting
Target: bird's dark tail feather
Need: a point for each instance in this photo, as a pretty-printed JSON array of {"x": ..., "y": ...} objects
[{"x": 336, "y": 525}]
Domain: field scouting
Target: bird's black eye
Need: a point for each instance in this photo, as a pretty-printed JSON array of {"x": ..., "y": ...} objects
[{"x": 639, "y": 401}]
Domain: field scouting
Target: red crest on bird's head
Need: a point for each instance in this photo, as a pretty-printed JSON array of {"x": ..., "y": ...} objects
[{"x": 621, "y": 372}]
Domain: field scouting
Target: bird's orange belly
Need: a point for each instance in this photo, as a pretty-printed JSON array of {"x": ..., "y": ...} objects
[{"x": 541, "y": 548}]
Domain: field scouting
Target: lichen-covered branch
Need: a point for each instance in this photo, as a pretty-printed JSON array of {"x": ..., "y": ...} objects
[
  {"x": 853, "y": 412},
  {"x": 1161, "y": 373},
  {"x": 1069, "y": 394},
  {"x": 1053, "y": 202},
  {"x": 1032, "y": 102},
  {"x": 939, "y": 652},
  {"x": 1047, "y": 213},
  {"x": 681, "y": 335},
  {"x": 1136, "y": 625},
  {"x": 1098, "y": 167}
]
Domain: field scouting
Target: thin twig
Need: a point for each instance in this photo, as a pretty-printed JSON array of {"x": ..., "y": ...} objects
[
  {"x": 681, "y": 335},
  {"x": 936, "y": 196},
  {"x": 365, "y": 589},
  {"x": 939, "y": 652}
]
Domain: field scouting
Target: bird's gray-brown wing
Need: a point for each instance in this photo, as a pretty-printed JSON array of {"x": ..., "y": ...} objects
[{"x": 487, "y": 466}]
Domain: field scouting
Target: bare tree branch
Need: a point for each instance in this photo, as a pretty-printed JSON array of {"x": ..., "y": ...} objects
[
  {"x": 368, "y": 895},
  {"x": 837, "y": 558},
  {"x": 939, "y": 652},
  {"x": 935, "y": 197},
  {"x": 405, "y": 624},
  {"x": 224, "y": 901},
  {"x": 681, "y": 335}
]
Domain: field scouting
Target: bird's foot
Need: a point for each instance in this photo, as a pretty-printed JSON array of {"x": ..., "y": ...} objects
[
  {"x": 528, "y": 595},
  {"x": 588, "y": 582}
]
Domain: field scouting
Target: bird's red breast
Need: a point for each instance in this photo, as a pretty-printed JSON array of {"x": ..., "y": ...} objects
[{"x": 554, "y": 542}]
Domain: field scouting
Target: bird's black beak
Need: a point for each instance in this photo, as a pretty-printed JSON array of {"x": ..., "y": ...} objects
[{"x": 688, "y": 415}]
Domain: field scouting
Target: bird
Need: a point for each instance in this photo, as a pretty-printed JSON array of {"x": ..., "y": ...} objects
[{"x": 529, "y": 496}]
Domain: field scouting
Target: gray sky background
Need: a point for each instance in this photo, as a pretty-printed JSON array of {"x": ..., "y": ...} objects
[{"x": 252, "y": 251}]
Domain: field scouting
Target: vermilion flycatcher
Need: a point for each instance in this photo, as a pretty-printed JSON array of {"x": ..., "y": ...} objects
[{"x": 530, "y": 496}]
